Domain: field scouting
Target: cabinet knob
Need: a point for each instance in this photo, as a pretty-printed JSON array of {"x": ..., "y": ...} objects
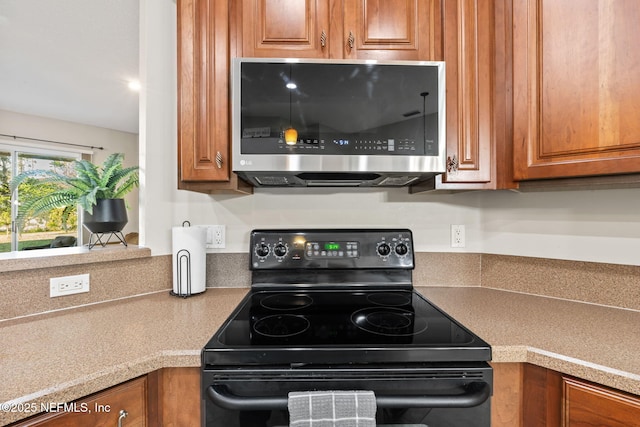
[
  {"x": 351, "y": 40},
  {"x": 219, "y": 160},
  {"x": 323, "y": 39},
  {"x": 123, "y": 415}
]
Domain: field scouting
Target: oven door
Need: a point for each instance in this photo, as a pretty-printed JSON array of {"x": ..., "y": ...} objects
[{"x": 418, "y": 396}]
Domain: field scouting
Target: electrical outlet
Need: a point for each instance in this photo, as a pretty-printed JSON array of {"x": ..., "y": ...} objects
[
  {"x": 215, "y": 236},
  {"x": 457, "y": 236},
  {"x": 68, "y": 285}
]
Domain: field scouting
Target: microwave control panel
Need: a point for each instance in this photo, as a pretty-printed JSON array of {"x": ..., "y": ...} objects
[{"x": 275, "y": 144}]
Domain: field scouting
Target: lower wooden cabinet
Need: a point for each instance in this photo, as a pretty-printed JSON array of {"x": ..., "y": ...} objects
[
  {"x": 551, "y": 399},
  {"x": 586, "y": 404},
  {"x": 174, "y": 397},
  {"x": 123, "y": 405},
  {"x": 506, "y": 402},
  {"x": 526, "y": 395},
  {"x": 168, "y": 397}
]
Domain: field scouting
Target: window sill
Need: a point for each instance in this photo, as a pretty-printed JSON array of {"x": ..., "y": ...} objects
[{"x": 46, "y": 258}]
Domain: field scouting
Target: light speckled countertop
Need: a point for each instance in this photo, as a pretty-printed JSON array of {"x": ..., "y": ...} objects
[
  {"x": 593, "y": 342},
  {"x": 63, "y": 356}
]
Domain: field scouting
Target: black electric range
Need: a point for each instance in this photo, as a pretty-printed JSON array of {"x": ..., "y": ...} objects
[{"x": 335, "y": 308}]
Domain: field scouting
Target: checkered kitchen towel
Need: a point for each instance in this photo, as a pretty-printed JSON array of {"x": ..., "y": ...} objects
[{"x": 332, "y": 409}]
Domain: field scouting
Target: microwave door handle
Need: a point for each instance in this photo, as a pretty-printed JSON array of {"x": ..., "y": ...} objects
[{"x": 476, "y": 394}]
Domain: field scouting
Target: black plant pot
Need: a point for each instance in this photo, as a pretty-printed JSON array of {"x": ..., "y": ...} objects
[{"x": 108, "y": 215}]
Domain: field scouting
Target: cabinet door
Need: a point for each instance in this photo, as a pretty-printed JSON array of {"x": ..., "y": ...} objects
[
  {"x": 127, "y": 401},
  {"x": 468, "y": 54},
  {"x": 285, "y": 28},
  {"x": 203, "y": 90},
  {"x": 576, "y": 91},
  {"x": 476, "y": 39},
  {"x": 391, "y": 29},
  {"x": 204, "y": 146},
  {"x": 587, "y": 405},
  {"x": 177, "y": 394}
]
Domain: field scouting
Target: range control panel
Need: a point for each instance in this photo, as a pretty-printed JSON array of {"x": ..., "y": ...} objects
[{"x": 332, "y": 249}]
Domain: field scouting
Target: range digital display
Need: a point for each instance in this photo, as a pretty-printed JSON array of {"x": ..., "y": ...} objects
[{"x": 332, "y": 249}]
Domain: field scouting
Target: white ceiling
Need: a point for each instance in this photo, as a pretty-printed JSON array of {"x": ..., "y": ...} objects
[{"x": 71, "y": 60}]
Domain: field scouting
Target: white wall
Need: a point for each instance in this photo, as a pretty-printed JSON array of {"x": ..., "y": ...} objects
[
  {"x": 429, "y": 217},
  {"x": 113, "y": 141},
  {"x": 601, "y": 226},
  {"x": 597, "y": 225}
]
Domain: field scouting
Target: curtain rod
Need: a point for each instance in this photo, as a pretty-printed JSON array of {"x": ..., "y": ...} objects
[{"x": 52, "y": 142}]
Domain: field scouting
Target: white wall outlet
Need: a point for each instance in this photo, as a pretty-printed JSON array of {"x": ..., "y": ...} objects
[
  {"x": 457, "y": 236},
  {"x": 215, "y": 236},
  {"x": 68, "y": 285}
]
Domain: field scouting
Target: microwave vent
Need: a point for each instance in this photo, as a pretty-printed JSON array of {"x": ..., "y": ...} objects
[
  {"x": 272, "y": 180},
  {"x": 399, "y": 181}
]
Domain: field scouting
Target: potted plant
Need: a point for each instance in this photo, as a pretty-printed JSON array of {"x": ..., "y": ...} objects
[{"x": 98, "y": 190}]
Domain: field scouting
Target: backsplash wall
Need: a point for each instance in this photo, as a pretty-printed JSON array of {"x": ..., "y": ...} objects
[
  {"x": 26, "y": 292},
  {"x": 597, "y": 283}
]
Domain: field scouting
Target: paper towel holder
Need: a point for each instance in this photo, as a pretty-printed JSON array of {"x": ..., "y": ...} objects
[
  {"x": 183, "y": 256},
  {"x": 183, "y": 261}
]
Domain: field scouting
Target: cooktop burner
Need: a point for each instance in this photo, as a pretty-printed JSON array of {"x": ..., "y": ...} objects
[
  {"x": 283, "y": 301},
  {"x": 389, "y": 321},
  {"x": 281, "y": 325},
  {"x": 389, "y": 299}
]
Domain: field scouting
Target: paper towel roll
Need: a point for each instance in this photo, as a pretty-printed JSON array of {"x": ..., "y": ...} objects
[{"x": 189, "y": 260}]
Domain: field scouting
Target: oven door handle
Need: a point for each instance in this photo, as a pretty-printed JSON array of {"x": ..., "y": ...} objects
[{"x": 476, "y": 394}]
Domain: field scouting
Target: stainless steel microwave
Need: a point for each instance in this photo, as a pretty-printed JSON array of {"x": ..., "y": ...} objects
[{"x": 311, "y": 122}]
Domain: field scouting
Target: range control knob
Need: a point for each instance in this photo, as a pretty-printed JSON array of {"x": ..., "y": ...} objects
[
  {"x": 262, "y": 250},
  {"x": 384, "y": 249},
  {"x": 280, "y": 250},
  {"x": 401, "y": 249}
]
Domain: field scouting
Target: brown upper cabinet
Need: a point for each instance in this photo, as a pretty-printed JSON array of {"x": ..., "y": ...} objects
[
  {"x": 204, "y": 150},
  {"x": 283, "y": 28},
  {"x": 476, "y": 41},
  {"x": 365, "y": 29},
  {"x": 576, "y": 78}
]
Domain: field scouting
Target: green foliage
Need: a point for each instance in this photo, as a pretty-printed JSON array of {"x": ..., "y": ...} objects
[
  {"x": 52, "y": 190},
  {"x": 5, "y": 194}
]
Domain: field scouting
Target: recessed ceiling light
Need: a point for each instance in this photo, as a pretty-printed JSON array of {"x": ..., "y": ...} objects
[{"x": 134, "y": 85}]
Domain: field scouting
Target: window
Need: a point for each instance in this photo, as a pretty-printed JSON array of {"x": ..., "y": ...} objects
[{"x": 42, "y": 231}]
